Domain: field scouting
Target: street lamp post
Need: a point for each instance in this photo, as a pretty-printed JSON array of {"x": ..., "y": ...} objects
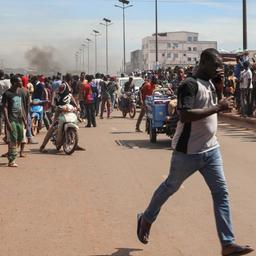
[
  {"x": 123, "y": 7},
  {"x": 83, "y": 45},
  {"x": 156, "y": 21},
  {"x": 244, "y": 25},
  {"x": 88, "y": 45},
  {"x": 106, "y": 24},
  {"x": 80, "y": 59},
  {"x": 96, "y": 33}
]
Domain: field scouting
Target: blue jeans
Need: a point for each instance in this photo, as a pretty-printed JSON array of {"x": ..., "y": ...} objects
[{"x": 210, "y": 165}]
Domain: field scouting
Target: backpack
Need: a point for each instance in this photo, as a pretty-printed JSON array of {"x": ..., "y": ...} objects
[{"x": 94, "y": 91}]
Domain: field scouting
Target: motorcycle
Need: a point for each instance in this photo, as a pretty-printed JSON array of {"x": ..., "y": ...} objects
[
  {"x": 67, "y": 126},
  {"x": 37, "y": 112},
  {"x": 127, "y": 104}
]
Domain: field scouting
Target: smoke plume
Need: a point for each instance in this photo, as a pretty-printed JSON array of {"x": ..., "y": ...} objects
[{"x": 42, "y": 60}]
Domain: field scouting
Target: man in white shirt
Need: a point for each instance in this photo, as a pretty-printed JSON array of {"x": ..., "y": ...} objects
[
  {"x": 196, "y": 148},
  {"x": 246, "y": 90}
]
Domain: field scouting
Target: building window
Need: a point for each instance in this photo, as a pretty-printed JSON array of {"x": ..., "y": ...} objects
[
  {"x": 176, "y": 55},
  {"x": 172, "y": 45},
  {"x": 189, "y": 59},
  {"x": 184, "y": 54},
  {"x": 169, "y": 55},
  {"x": 195, "y": 59},
  {"x": 195, "y": 38},
  {"x": 189, "y": 49},
  {"x": 163, "y": 54},
  {"x": 175, "y": 45},
  {"x": 194, "y": 49},
  {"x": 190, "y": 38}
]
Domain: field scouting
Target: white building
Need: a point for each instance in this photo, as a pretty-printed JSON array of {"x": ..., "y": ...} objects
[{"x": 174, "y": 48}]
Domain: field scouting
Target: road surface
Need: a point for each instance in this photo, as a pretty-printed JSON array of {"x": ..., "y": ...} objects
[{"x": 86, "y": 204}]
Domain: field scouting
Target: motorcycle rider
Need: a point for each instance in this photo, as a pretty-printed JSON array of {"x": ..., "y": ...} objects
[
  {"x": 129, "y": 86},
  {"x": 62, "y": 98}
]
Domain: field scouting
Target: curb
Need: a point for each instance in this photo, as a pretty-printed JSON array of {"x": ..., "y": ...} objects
[{"x": 247, "y": 122}]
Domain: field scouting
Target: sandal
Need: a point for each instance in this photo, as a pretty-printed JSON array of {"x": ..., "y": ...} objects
[
  {"x": 236, "y": 250},
  {"x": 12, "y": 164},
  {"x": 142, "y": 232}
]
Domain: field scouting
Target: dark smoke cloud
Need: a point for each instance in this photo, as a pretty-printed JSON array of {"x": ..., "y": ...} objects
[{"x": 42, "y": 60}]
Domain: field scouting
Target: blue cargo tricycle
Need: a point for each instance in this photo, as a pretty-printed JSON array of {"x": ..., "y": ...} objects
[{"x": 156, "y": 114}]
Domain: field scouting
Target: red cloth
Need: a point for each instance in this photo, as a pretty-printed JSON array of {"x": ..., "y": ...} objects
[
  {"x": 88, "y": 94},
  {"x": 25, "y": 81},
  {"x": 147, "y": 90}
]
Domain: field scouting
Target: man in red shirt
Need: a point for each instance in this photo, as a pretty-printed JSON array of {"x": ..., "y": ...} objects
[
  {"x": 146, "y": 90},
  {"x": 89, "y": 103}
]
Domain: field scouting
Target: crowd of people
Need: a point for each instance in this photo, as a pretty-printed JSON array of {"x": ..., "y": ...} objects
[
  {"x": 92, "y": 96},
  {"x": 96, "y": 95}
]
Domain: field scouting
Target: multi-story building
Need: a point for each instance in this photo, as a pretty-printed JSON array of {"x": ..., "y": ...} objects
[{"x": 174, "y": 48}]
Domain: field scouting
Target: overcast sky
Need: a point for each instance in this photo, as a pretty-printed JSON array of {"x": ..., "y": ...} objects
[{"x": 65, "y": 24}]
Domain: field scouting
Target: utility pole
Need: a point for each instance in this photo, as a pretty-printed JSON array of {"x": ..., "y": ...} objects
[
  {"x": 88, "y": 45},
  {"x": 244, "y": 25},
  {"x": 96, "y": 33},
  {"x": 80, "y": 60},
  {"x": 106, "y": 24},
  {"x": 123, "y": 7},
  {"x": 156, "y": 21},
  {"x": 83, "y": 46}
]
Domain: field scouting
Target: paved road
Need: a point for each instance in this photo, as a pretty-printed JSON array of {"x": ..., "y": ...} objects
[{"x": 86, "y": 204}]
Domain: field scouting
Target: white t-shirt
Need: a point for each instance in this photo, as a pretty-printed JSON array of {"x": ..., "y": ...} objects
[
  {"x": 198, "y": 136},
  {"x": 245, "y": 76},
  {"x": 5, "y": 84}
]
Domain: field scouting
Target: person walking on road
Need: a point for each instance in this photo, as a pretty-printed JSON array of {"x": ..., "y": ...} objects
[
  {"x": 146, "y": 90},
  {"x": 246, "y": 90},
  {"x": 89, "y": 102},
  {"x": 196, "y": 149},
  {"x": 105, "y": 97},
  {"x": 14, "y": 118},
  {"x": 81, "y": 83}
]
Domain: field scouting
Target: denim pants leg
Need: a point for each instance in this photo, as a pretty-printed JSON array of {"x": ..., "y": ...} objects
[
  {"x": 88, "y": 114},
  {"x": 243, "y": 102},
  {"x": 213, "y": 174},
  {"x": 82, "y": 109},
  {"x": 182, "y": 166},
  {"x": 211, "y": 167}
]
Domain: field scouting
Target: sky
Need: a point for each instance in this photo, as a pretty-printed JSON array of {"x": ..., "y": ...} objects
[{"x": 63, "y": 25}]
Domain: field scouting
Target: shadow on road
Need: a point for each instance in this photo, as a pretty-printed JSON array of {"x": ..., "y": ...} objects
[
  {"x": 121, "y": 252},
  {"x": 124, "y": 132},
  {"x": 241, "y": 133},
  {"x": 49, "y": 152},
  {"x": 133, "y": 144}
]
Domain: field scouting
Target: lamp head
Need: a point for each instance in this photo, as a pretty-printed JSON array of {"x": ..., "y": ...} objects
[{"x": 107, "y": 20}]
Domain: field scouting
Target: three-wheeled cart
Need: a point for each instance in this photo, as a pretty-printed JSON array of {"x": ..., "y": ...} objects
[{"x": 156, "y": 114}]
